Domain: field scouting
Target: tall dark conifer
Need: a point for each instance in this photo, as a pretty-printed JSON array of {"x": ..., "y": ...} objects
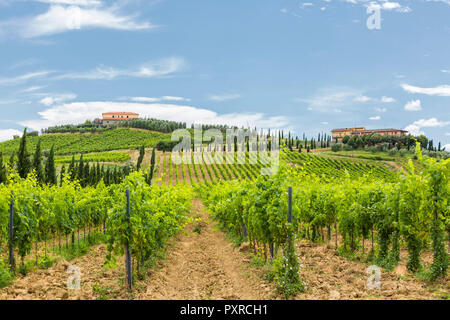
[
  {"x": 23, "y": 158},
  {"x": 37, "y": 163},
  {"x": 71, "y": 170},
  {"x": 141, "y": 157},
  {"x": 62, "y": 174},
  {"x": 3, "y": 173},
  {"x": 152, "y": 165},
  {"x": 80, "y": 172},
  {"x": 50, "y": 170}
]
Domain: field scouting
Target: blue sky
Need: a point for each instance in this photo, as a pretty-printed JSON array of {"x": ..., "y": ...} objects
[{"x": 305, "y": 66}]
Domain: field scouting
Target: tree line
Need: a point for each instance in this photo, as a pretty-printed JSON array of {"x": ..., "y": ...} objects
[{"x": 42, "y": 163}]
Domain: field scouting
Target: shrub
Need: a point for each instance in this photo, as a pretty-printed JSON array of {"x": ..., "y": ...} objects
[
  {"x": 348, "y": 147},
  {"x": 393, "y": 152},
  {"x": 336, "y": 147}
]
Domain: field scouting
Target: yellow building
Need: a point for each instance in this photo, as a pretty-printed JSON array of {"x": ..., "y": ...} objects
[
  {"x": 111, "y": 117},
  {"x": 338, "y": 134}
]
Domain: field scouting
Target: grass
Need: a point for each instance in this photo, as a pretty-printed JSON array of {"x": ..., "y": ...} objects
[{"x": 6, "y": 276}]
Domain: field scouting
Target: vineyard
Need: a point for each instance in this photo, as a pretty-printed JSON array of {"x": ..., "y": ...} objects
[
  {"x": 412, "y": 212},
  {"x": 169, "y": 173},
  {"x": 67, "y": 144},
  {"x": 360, "y": 211},
  {"x": 44, "y": 216},
  {"x": 96, "y": 157}
]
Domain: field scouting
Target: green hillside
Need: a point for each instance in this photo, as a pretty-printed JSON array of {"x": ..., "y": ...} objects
[
  {"x": 337, "y": 168},
  {"x": 66, "y": 143}
]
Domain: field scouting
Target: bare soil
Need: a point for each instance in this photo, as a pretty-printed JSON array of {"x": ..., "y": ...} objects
[
  {"x": 205, "y": 265},
  {"x": 329, "y": 276}
]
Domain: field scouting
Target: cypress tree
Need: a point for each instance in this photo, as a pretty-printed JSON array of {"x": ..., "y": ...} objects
[
  {"x": 50, "y": 170},
  {"x": 11, "y": 163},
  {"x": 23, "y": 160},
  {"x": 37, "y": 163},
  {"x": 71, "y": 170},
  {"x": 86, "y": 175},
  {"x": 107, "y": 177},
  {"x": 80, "y": 174},
  {"x": 92, "y": 176},
  {"x": 3, "y": 175},
  {"x": 141, "y": 157},
  {"x": 62, "y": 174},
  {"x": 152, "y": 166}
]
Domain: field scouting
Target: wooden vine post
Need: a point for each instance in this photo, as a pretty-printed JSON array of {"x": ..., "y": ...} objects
[
  {"x": 11, "y": 233},
  {"x": 127, "y": 246}
]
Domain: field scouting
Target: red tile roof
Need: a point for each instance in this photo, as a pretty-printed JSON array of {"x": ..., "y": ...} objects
[{"x": 121, "y": 113}]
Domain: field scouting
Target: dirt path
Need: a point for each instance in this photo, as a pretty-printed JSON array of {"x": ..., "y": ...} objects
[
  {"x": 192, "y": 176},
  {"x": 186, "y": 177},
  {"x": 205, "y": 265},
  {"x": 395, "y": 166},
  {"x": 160, "y": 169}
]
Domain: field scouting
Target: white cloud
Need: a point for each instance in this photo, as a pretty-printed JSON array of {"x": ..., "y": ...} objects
[
  {"x": 90, "y": 3},
  {"x": 361, "y": 99},
  {"x": 159, "y": 68},
  {"x": 381, "y": 110},
  {"x": 415, "y": 130},
  {"x": 416, "y": 126},
  {"x": 447, "y": 147},
  {"x": 375, "y": 118},
  {"x": 62, "y": 18},
  {"x": 333, "y": 100},
  {"x": 78, "y": 112},
  {"x": 151, "y": 100},
  {"x": 7, "y": 134},
  {"x": 58, "y": 98},
  {"x": 431, "y": 123},
  {"x": 385, "y": 99},
  {"x": 33, "y": 88},
  {"x": 224, "y": 97},
  {"x": 23, "y": 78},
  {"x": 443, "y": 90},
  {"x": 414, "y": 105},
  {"x": 382, "y": 5}
]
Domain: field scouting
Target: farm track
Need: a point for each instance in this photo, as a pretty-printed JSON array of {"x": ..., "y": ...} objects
[
  {"x": 160, "y": 168},
  {"x": 205, "y": 266}
]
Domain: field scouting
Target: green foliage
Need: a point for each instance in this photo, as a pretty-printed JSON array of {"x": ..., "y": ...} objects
[
  {"x": 286, "y": 272},
  {"x": 6, "y": 276},
  {"x": 68, "y": 144},
  {"x": 157, "y": 213},
  {"x": 336, "y": 147},
  {"x": 96, "y": 157}
]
